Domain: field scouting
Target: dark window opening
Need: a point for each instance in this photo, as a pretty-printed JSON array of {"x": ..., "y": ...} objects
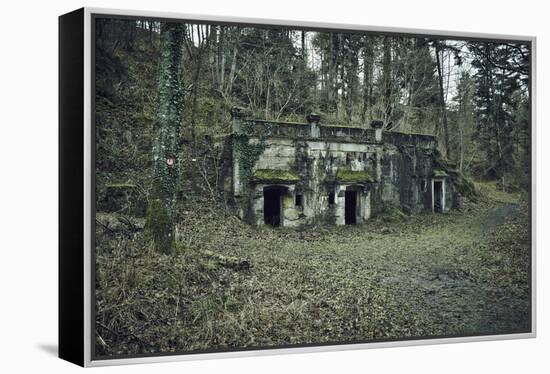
[
  {"x": 299, "y": 200},
  {"x": 438, "y": 196},
  {"x": 351, "y": 207},
  {"x": 331, "y": 198},
  {"x": 272, "y": 206}
]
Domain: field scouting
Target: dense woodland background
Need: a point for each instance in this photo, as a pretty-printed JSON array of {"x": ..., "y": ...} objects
[{"x": 473, "y": 95}]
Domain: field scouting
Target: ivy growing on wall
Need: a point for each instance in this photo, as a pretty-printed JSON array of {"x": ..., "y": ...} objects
[{"x": 247, "y": 154}]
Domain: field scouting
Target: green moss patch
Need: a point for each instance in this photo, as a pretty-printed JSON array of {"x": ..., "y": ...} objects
[
  {"x": 273, "y": 175},
  {"x": 353, "y": 176},
  {"x": 392, "y": 213},
  {"x": 159, "y": 226},
  {"x": 439, "y": 173}
]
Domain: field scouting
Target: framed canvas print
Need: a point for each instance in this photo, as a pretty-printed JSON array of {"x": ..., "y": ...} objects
[{"x": 249, "y": 186}]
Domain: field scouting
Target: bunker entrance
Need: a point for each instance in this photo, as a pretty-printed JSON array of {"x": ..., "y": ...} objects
[
  {"x": 273, "y": 197},
  {"x": 438, "y": 196},
  {"x": 351, "y": 207}
]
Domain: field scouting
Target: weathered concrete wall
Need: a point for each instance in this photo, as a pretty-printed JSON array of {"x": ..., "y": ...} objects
[
  {"x": 408, "y": 163},
  {"x": 320, "y": 163}
]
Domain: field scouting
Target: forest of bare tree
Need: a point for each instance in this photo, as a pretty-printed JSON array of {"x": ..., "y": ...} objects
[{"x": 473, "y": 95}]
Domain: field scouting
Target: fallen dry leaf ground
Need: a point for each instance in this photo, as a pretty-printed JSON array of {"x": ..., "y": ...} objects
[{"x": 462, "y": 273}]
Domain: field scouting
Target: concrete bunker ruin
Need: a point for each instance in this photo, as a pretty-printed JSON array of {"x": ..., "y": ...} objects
[{"x": 290, "y": 174}]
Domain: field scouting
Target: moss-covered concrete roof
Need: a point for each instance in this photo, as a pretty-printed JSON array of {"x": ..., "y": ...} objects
[
  {"x": 440, "y": 173},
  {"x": 275, "y": 175},
  {"x": 343, "y": 175}
]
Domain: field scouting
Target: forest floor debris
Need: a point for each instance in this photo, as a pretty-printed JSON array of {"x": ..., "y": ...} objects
[{"x": 424, "y": 275}]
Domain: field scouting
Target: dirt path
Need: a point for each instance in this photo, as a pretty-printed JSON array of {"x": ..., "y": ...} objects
[
  {"x": 446, "y": 290},
  {"x": 496, "y": 216},
  {"x": 391, "y": 280}
]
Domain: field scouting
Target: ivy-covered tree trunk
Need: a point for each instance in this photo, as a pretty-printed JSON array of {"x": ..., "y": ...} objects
[{"x": 161, "y": 210}]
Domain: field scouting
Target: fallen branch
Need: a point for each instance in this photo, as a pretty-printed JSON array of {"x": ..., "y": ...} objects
[
  {"x": 114, "y": 223},
  {"x": 228, "y": 261}
]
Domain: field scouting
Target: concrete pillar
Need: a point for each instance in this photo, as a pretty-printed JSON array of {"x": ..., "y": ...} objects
[
  {"x": 378, "y": 163},
  {"x": 236, "y": 115},
  {"x": 377, "y": 126},
  {"x": 340, "y": 201},
  {"x": 313, "y": 120}
]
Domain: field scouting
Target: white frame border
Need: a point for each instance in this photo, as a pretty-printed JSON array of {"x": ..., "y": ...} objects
[{"x": 88, "y": 136}]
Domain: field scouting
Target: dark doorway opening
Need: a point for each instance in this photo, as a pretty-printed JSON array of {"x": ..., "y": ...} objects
[
  {"x": 331, "y": 198},
  {"x": 438, "y": 196},
  {"x": 272, "y": 205},
  {"x": 351, "y": 207},
  {"x": 299, "y": 200}
]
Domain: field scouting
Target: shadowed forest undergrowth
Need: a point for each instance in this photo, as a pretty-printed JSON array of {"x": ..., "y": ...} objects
[{"x": 462, "y": 273}]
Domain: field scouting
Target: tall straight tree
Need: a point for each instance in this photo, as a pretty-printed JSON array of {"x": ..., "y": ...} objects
[
  {"x": 439, "y": 47},
  {"x": 368, "y": 78},
  {"x": 161, "y": 209},
  {"x": 465, "y": 96},
  {"x": 387, "y": 79},
  {"x": 351, "y": 46},
  {"x": 499, "y": 84}
]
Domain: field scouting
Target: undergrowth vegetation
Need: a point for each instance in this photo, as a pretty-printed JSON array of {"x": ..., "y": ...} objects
[{"x": 408, "y": 276}]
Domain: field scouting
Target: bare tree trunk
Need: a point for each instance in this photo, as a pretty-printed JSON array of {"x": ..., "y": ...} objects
[
  {"x": 267, "y": 100},
  {"x": 368, "y": 64},
  {"x": 231, "y": 77},
  {"x": 387, "y": 82},
  {"x": 221, "y": 59},
  {"x": 304, "y": 52},
  {"x": 332, "y": 89},
  {"x": 445, "y": 126}
]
